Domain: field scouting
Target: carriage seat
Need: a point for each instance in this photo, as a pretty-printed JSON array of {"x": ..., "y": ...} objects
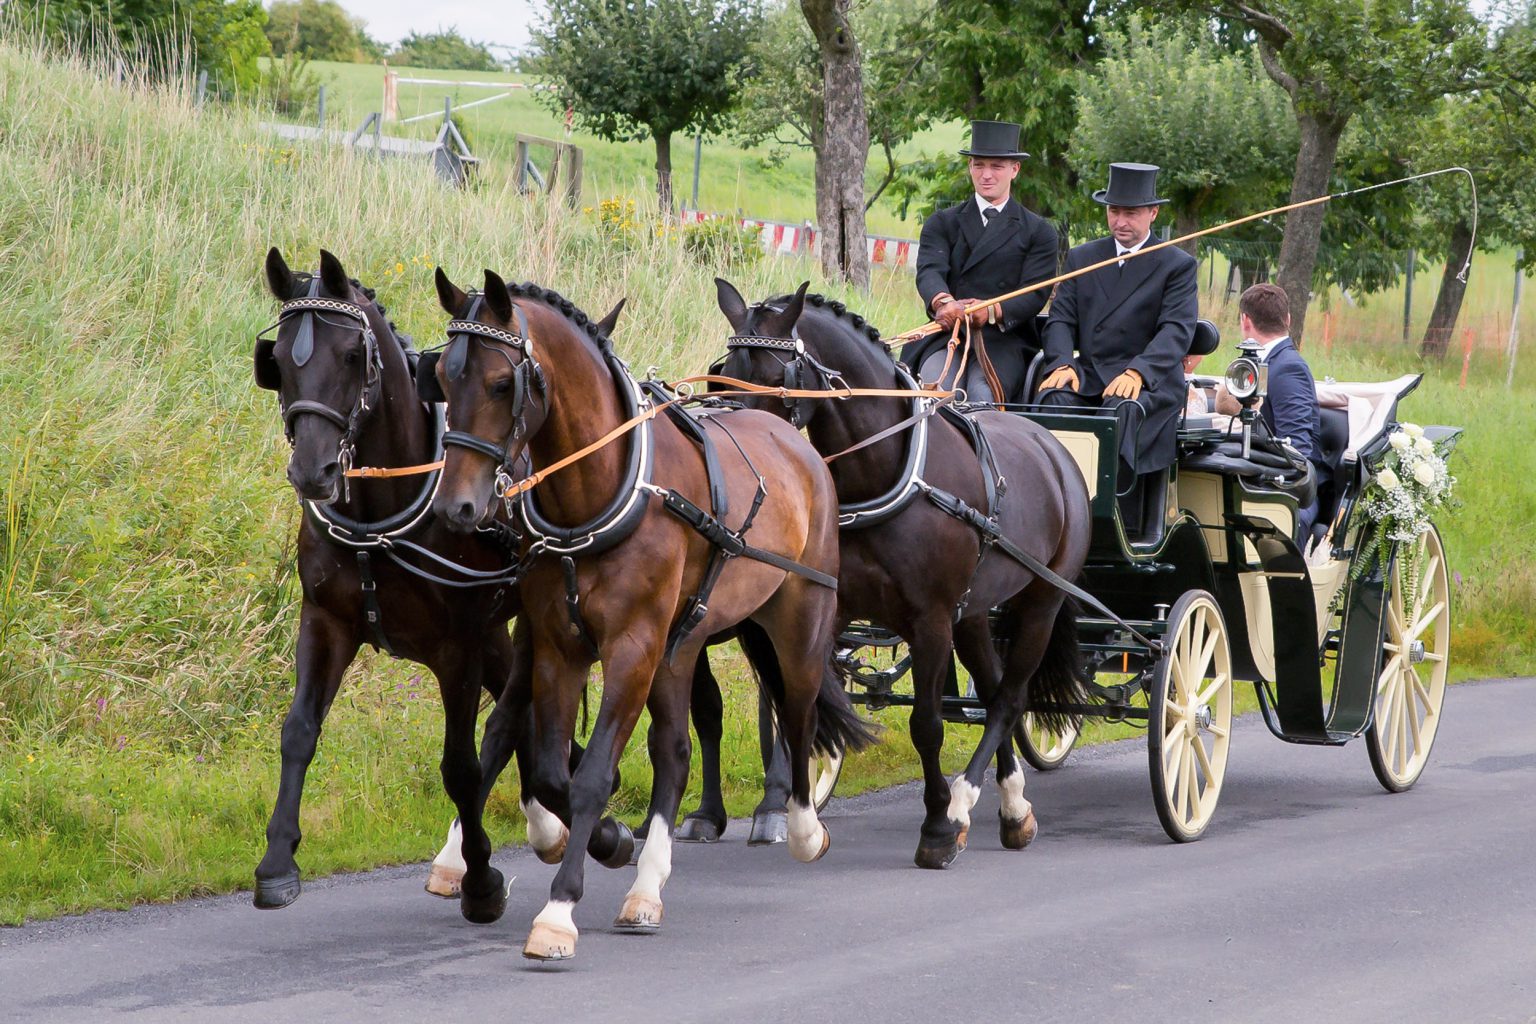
[{"x": 1332, "y": 444}]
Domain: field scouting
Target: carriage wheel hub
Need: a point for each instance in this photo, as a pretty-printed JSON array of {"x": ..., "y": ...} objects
[
  {"x": 1203, "y": 716},
  {"x": 1415, "y": 652}
]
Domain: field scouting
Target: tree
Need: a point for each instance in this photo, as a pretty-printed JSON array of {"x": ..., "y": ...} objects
[
  {"x": 1005, "y": 60},
  {"x": 444, "y": 49},
  {"x": 1418, "y": 50},
  {"x": 1169, "y": 94},
  {"x": 318, "y": 29},
  {"x": 162, "y": 36},
  {"x": 844, "y": 148},
  {"x": 632, "y": 68}
]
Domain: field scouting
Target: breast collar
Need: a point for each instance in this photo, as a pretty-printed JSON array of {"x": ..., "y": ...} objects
[
  {"x": 353, "y": 533},
  {"x": 863, "y": 514}
]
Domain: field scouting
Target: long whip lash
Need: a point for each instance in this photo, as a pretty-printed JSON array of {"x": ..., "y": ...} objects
[{"x": 931, "y": 326}]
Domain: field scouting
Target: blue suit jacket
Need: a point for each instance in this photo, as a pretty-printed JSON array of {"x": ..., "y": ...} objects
[{"x": 1290, "y": 407}]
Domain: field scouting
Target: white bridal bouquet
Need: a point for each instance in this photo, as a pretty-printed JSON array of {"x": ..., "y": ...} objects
[{"x": 1411, "y": 484}]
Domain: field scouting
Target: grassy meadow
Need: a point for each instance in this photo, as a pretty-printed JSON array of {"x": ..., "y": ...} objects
[{"x": 147, "y": 596}]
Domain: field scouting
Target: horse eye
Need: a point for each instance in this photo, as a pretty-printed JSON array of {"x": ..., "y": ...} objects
[
  {"x": 351, "y": 357},
  {"x": 500, "y": 388}
]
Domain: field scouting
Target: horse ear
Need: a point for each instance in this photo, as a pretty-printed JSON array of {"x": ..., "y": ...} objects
[
  {"x": 449, "y": 296},
  {"x": 611, "y": 320},
  {"x": 279, "y": 277},
  {"x": 496, "y": 296},
  {"x": 333, "y": 275},
  {"x": 779, "y": 325},
  {"x": 731, "y": 303}
]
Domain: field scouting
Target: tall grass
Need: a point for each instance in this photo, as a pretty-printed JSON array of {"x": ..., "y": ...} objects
[{"x": 147, "y": 595}]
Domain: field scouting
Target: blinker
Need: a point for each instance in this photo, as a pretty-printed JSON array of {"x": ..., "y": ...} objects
[
  {"x": 304, "y": 343},
  {"x": 455, "y": 356},
  {"x": 428, "y": 388}
]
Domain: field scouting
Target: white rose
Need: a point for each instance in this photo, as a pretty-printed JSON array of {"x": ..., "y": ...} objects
[
  {"x": 1413, "y": 430},
  {"x": 1400, "y": 441},
  {"x": 1387, "y": 480},
  {"x": 1423, "y": 446},
  {"x": 1424, "y": 473}
]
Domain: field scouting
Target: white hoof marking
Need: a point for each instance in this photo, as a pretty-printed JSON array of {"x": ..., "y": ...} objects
[
  {"x": 805, "y": 832},
  {"x": 962, "y": 797},
  {"x": 557, "y": 914},
  {"x": 655, "y": 865},
  {"x": 545, "y": 831},
  {"x": 451, "y": 857},
  {"x": 1015, "y": 807}
]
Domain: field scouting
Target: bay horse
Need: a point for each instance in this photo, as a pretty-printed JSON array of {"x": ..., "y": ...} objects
[
  {"x": 928, "y": 518},
  {"x": 626, "y": 568},
  {"x": 377, "y": 567}
]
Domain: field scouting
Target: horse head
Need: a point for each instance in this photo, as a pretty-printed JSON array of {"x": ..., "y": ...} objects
[
  {"x": 325, "y": 366},
  {"x": 496, "y": 392}
]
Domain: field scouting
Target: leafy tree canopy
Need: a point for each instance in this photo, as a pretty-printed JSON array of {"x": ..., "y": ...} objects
[
  {"x": 318, "y": 29},
  {"x": 445, "y": 49}
]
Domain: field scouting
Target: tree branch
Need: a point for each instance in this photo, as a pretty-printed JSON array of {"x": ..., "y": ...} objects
[
  {"x": 1272, "y": 67},
  {"x": 890, "y": 172}
]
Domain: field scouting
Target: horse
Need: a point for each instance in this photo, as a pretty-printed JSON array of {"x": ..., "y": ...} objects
[
  {"x": 928, "y": 520},
  {"x": 377, "y": 567},
  {"x": 634, "y": 561}
]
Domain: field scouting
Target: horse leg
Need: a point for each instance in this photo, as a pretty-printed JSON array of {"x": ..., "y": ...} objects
[
  {"x": 978, "y": 652},
  {"x": 669, "y": 748},
  {"x": 325, "y": 648},
  {"x": 940, "y": 840},
  {"x": 628, "y": 666},
  {"x": 506, "y": 734},
  {"x": 770, "y": 819},
  {"x": 1031, "y": 632},
  {"x": 707, "y": 823},
  {"x": 483, "y": 895}
]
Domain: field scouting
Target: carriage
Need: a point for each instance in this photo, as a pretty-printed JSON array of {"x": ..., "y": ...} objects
[{"x": 1338, "y": 635}]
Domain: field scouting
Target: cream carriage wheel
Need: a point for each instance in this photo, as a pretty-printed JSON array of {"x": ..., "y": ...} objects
[
  {"x": 1416, "y": 647},
  {"x": 1189, "y": 721},
  {"x": 825, "y": 769},
  {"x": 1043, "y": 749}
]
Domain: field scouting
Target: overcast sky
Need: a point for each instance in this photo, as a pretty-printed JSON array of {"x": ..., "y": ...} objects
[{"x": 503, "y": 23}]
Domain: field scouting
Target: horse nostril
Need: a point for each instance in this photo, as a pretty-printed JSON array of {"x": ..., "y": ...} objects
[
  {"x": 466, "y": 511},
  {"x": 330, "y": 471}
]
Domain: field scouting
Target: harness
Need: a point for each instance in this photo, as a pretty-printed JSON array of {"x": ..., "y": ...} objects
[
  {"x": 390, "y": 534},
  {"x": 623, "y": 513}
]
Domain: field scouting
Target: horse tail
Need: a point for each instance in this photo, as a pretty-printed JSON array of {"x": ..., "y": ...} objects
[
  {"x": 839, "y": 728},
  {"x": 1059, "y": 679}
]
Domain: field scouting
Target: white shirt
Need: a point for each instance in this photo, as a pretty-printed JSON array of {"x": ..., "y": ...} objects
[
  {"x": 1269, "y": 346},
  {"x": 1121, "y": 250},
  {"x": 983, "y": 206}
]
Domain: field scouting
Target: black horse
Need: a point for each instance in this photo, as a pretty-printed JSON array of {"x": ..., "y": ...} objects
[
  {"x": 378, "y": 567},
  {"x": 929, "y": 516}
]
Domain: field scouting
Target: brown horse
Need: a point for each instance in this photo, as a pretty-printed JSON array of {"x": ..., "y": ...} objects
[
  {"x": 377, "y": 567},
  {"x": 929, "y": 518},
  {"x": 622, "y": 572}
]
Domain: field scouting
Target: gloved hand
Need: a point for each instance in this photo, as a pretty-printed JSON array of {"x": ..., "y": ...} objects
[
  {"x": 1063, "y": 377},
  {"x": 1127, "y": 385}
]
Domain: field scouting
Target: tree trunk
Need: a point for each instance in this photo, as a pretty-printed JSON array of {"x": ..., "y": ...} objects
[
  {"x": 1187, "y": 222},
  {"x": 844, "y": 150},
  {"x": 1304, "y": 227},
  {"x": 664, "y": 171},
  {"x": 1437, "y": 336}
]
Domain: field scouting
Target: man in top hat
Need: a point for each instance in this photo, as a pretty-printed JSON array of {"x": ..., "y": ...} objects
[
  {"x": 1129, "y": 324},
  {"x": 988, "y": 245}
]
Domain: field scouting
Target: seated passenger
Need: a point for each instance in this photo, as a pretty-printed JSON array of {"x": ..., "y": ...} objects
[
  {"x": 1201, "y": 400},
  {"x": 1290, "y": 408}
]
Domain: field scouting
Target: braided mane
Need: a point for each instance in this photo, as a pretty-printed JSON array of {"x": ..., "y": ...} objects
[
  {"x": 837, "y": 309},
  {"x": 567, "y": 308}
]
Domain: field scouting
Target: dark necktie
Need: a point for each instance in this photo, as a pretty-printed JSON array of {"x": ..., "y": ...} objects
[{"x": 987, "y": 213}]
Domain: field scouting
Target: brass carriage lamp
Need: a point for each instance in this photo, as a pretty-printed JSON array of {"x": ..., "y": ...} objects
[{"x": 1248, "y": 381}]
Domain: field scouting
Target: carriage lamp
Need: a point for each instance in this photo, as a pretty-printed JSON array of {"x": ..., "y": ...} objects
[{"x": 1247, "y": 381}]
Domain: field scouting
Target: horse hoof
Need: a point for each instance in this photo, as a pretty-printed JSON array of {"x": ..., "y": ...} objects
[
  {"x": 639, "y": 914},
  {"x": 936, "y": 855},
  {"x": 445, "y": 882},
  {"x": 768, "y": 828},
  {"x": 622, "y": 851},
  {"x": 276, "y": 893},
  {"x": 555, "y": 854},
  {"x": 1017, "y": 834},
  {"x": 826, "y": 844},
  {"x": 486, "y": 907},
  {"x": 634, "y": 856},
  {"x": 546, "y": 942},
  {"x": 698, "y": 829},
  {"x": 962, "y": 838}
]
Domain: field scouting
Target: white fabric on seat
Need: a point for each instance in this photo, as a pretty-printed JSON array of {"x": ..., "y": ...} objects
[{"x": 1369, "y": 403}]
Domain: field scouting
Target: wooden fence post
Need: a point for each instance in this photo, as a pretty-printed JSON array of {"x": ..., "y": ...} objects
[{"x": 1514, "y": 321}]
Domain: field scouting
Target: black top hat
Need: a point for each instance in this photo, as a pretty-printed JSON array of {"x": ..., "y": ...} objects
[
  {"x": 1130, "y": 185},
  {"x": 995, "y": 139}
]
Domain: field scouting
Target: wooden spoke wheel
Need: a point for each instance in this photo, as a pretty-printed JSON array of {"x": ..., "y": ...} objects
[
  {"x": 1043, "y": 749},
  {"x": 1190, "y": 716},
  {"x": 825, "y": 770},
  {"x": 1416, "y": 647}
]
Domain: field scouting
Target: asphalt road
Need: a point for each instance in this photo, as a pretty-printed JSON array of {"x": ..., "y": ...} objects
[{"x": 1315, "y": 895}]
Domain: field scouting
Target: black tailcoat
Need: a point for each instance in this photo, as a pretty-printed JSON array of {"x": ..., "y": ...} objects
[
  {"x": 959, "y": 254},
  {"x": 1137, "y": 317}
]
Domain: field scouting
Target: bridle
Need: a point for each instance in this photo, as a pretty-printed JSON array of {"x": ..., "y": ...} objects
[
  {"x": 527, "y": 379},
  {"x": 801, "y": 373},
  {"x": 307, "y": 309}
]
